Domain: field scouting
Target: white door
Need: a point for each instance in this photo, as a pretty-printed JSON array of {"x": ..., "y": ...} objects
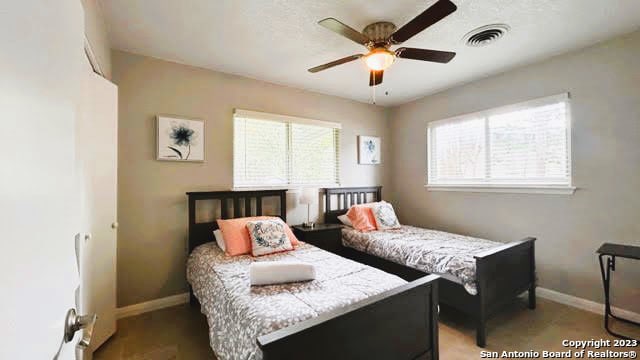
[
  {"x": 97, "y": 153},
  {"x": 41, "y": 58}
]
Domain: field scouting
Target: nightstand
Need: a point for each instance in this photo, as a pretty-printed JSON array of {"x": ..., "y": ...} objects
[{"x": 325, "y": 236}]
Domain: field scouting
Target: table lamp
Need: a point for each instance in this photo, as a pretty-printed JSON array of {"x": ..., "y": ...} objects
[{"x": 307, "y": 195}]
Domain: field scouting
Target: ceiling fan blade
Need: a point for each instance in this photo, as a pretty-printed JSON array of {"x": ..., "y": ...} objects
[
  {"x": 334, "y": 63},
  {"x": 432, "y": 15},
  {"x": 344, "y": 30},
  {"x": 375, "y": 77},
  {"x": 425, "y": 54}
]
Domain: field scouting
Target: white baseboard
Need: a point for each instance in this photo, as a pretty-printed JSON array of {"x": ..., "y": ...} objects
[
  {"x": 157, "y": 304},
  {"x": 570, "y": 300},
  {"x": 584, "y": 304}
]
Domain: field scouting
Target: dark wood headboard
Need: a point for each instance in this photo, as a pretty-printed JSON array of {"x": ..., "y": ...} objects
[
  {"x": 346, "y": 197},
  {"x": 241, "y": 206}
]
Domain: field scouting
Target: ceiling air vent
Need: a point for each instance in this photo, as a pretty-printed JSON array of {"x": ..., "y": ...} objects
[{"x": 485, "y": 35}]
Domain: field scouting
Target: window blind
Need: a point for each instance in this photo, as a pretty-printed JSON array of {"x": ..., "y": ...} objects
[
  {"x": 281, "y": 151},
  {"x": 526, "y": 144}
]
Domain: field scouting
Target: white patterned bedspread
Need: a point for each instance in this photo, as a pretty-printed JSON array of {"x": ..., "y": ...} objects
[
  {"x": 238, "y": 313},
  {"x": 431, "y": 251}
]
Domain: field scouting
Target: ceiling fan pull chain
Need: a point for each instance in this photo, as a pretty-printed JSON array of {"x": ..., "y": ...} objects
[{"x": 373, "y": 88}]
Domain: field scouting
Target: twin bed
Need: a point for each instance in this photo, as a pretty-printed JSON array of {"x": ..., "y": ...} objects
[
  {"x": 336, "y": 316},
  {"x": 477, "y": 276},
  {"x": 377, "y": 301}
]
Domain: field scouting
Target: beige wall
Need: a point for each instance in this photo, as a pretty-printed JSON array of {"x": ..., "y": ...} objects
[
  {"x": 96, "y": 32},
  {"x": 151, "y": 197},
  {"x": 604, "y": 82}
]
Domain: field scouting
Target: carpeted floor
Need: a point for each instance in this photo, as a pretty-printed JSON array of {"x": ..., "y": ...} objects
[{"x": 181, "y": 333}]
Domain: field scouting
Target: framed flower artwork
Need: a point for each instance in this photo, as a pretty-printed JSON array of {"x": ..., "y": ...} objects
[
  {"x": 368, "y": 150},
  {"x": 179, "y": 139}
]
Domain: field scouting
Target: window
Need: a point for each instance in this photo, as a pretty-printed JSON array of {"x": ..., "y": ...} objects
[
  {"x": 283, "y": 151},
  {"x": 524, "y": 147}
]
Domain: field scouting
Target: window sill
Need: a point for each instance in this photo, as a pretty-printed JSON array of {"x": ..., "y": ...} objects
[{"x": 514, "y": 189}]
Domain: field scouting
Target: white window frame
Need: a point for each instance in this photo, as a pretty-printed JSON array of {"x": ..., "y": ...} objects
[
  {"x": 258, "y": 115},
  {"x": 506, "y": 188}
]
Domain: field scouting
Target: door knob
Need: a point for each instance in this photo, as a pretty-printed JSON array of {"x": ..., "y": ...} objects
[
  {"x": 75, "y": 322},
  {"x": 115, "y": 225}
]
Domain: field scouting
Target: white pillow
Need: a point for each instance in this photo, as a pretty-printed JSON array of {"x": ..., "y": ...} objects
[
  {"x": 219, "y": 239},
  {"x": 268, "y": 237},
  {"x": 344, "y": 219},
  {"x": 385, "y": 216},
  {"x": 278, "y": 272}
]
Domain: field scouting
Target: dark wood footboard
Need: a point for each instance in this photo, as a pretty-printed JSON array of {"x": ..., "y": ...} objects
[
  {"x": 502, "y": 274},
  {"x": 401, "y": 323}
]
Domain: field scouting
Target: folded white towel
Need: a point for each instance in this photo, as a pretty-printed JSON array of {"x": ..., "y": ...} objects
[{"x": 279, "y": 272}]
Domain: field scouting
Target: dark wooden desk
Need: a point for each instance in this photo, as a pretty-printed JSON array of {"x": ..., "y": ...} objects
[{"x": 609, "y": 252}]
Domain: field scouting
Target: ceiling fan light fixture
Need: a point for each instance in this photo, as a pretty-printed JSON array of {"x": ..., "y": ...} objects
[
  {"x": 379, "y": 59},
  {"x": 380, "y": 36}
]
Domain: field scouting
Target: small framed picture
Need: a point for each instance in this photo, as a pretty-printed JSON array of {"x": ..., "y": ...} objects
[
  {"x": 368, "y": 150},
  {"x": 179, "y": 139}
]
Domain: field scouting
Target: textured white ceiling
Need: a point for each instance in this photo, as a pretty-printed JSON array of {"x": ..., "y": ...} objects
[{"x": 278, "y": 40}]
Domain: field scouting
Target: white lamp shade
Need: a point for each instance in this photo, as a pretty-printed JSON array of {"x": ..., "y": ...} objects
[
  {"x": 379, "y": 60},
  {"x": 307, "y": 196}
]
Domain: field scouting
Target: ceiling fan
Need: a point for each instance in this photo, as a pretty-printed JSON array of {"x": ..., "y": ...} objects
[{"x": 380, "y": 36}]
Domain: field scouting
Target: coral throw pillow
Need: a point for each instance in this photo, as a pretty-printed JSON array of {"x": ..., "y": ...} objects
[
  {"x": 362, "y": 218},
  {"x": 236, "y": 236},
  {"x": 268, "y": 237}
]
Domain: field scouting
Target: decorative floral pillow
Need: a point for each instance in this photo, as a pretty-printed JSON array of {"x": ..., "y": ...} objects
[
  {"x": 268, "y": 237},
  {"x": 385, "y": 216},
  {"x": 236, "y": 235}
]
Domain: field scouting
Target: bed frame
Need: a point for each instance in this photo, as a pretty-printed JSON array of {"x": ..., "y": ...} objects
[
  {"x": 401, "y": 323},
  {"x": 502, "y": 273}
]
